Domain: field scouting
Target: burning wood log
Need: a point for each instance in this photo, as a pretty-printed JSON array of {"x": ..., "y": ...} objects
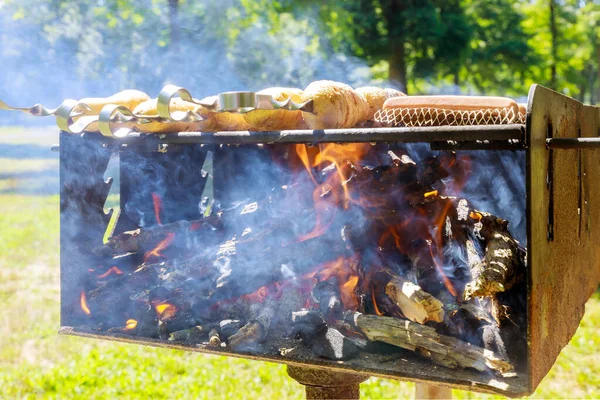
[
  {"x": 143, "y": 239},
  {"x": 416, "y": 304},
  {"x": 502, "y": 262},
  {"x": 444, "y": 350},
  {"x": 238, "y": 265},
  {"x": 327, "y": 295}
]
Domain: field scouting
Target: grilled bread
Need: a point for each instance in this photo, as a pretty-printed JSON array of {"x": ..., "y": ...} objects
[
  {"x": 177, "y": 104},
  {"x": 335, "y": 105},
  {"x": 276, "y": 120},
  {"x": 128, "y": 98},
  {"x": 376, "y": 97}
]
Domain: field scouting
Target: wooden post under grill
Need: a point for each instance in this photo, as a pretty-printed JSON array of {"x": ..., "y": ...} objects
[
  {"x": 323, "y": 384},
  {"x": 425, "y": 391}
]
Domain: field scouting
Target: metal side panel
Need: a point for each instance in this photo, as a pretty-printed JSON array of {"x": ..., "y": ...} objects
[
  {"x": 564, "y": 224},
  {"x": 83, "y": 222}
]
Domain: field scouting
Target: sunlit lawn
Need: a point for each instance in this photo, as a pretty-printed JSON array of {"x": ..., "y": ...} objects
[{"x": 36, "y": 362}]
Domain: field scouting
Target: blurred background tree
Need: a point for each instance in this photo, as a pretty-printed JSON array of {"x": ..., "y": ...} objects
[{"x": 56, "y": 49}]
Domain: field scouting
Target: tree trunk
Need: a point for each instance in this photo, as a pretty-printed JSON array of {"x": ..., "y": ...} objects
[
  {"x": 174, "y": 24},
  {"x": 397, "y": 68},
  {"x": 553, "y": 44}
]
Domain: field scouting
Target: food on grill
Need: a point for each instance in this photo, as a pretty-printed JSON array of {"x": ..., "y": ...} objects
[
  {"x": 148, "y": 108},
  {"x": 128, "y": 98},
  {"x": 335, "y": 105},
  {"x": 221, "y": 121},
  {"x": 448, "y": 110},
  {"x": 276, "y": 120},
  {"x": 376, "y": 97}
]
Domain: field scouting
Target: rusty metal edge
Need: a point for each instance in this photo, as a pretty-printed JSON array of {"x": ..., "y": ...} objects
[
  {"x": 314, "y": 363},
  {"x": 536, "y": 366},
  {"x": 528, "y": 205},
  {"x": 509, "y": 132}
]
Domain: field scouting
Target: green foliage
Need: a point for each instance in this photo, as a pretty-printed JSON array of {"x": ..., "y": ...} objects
[{"x": 68, "y": 49}]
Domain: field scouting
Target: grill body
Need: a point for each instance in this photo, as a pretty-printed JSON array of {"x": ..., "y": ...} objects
[{"x": 562, "y": 219}]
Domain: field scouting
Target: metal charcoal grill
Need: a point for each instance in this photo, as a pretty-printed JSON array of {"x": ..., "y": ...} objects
[{"x": 562, "y": 226}]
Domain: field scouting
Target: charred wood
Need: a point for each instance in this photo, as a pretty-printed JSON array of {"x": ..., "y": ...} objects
[
  {"x": 416, "y": 304},
  {"x": 503, "y": 261},
  {"x": 444, "y": 350},
  {"x": 248, "y": 337},
  {"x": 327, "y": 294},
  {"x": 194, "y": 334},
  {"x": 214, "y": 339},
  {"x": 229, "y": 327},
  {"x": 144, "y": 239}
]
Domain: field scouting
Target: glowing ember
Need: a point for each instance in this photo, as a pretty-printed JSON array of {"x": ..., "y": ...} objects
[
  {"x": 433, "y": 193},
  {"x": 111, "y": 270},
  {"x": 165, "y": 311},
  {"x": 347, "y": 277},
  {"x": 83, "y": 303},
  {"x": 475, "y": 215},
  {"x": 156, "y": 200},
  {"x": 130, "y": 324},
  {"x": 155, "y": 252}
]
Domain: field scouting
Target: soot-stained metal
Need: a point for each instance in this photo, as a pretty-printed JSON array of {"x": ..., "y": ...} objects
[{"x": 172, "y": 166}]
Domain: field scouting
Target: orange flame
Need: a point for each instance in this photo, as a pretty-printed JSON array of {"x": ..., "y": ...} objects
[
  {"x": 433, "y": 193},
  {"x": 336, "y": 155},
  {"x": 155, "y": 252},
  {"x": 347, "y": 280},
  {"x": 130, "y": 324},
  {"x": 165, "y": 311},
  {"x": 111, "y": 270},
  {"x": 440, "y": 270},
  {"x": 83, "y": 303},
  {"x": 156, "y": 200},
  {"x": 438, "y": 243},
  {"x": 475, "y": 215},
  {"x": 375, "y": 303}
]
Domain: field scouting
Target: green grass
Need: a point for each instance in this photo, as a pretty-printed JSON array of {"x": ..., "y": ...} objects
[{"x": 35, "y": 362}]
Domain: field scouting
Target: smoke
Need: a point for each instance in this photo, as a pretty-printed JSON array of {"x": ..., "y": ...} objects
[{"x": 53, "y": 51}]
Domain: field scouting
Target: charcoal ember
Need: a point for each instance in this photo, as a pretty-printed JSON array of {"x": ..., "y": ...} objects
[
  {"x": 400, "y": 169},
  {"x": 330, "y": 343},
  {"x": 229, "y": 327},
  {"x": 194, "y": 334},
  {"x": 464, "y": 324},
  {"x": 327, "y": 294},
  {"x": 307, "y": 322},
  {"x": 431, "y": 171}
]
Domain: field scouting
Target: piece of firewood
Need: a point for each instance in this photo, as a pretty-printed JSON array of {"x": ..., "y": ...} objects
[
  {"x": 416, "y": 304},
  {"x": 214, "y": 339},
  {"x": 146, "y": 238},
  {"x": 248, "y": 336},
  {"x": 503, "y": 260},
  {"x": 444, "y": 350}
]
